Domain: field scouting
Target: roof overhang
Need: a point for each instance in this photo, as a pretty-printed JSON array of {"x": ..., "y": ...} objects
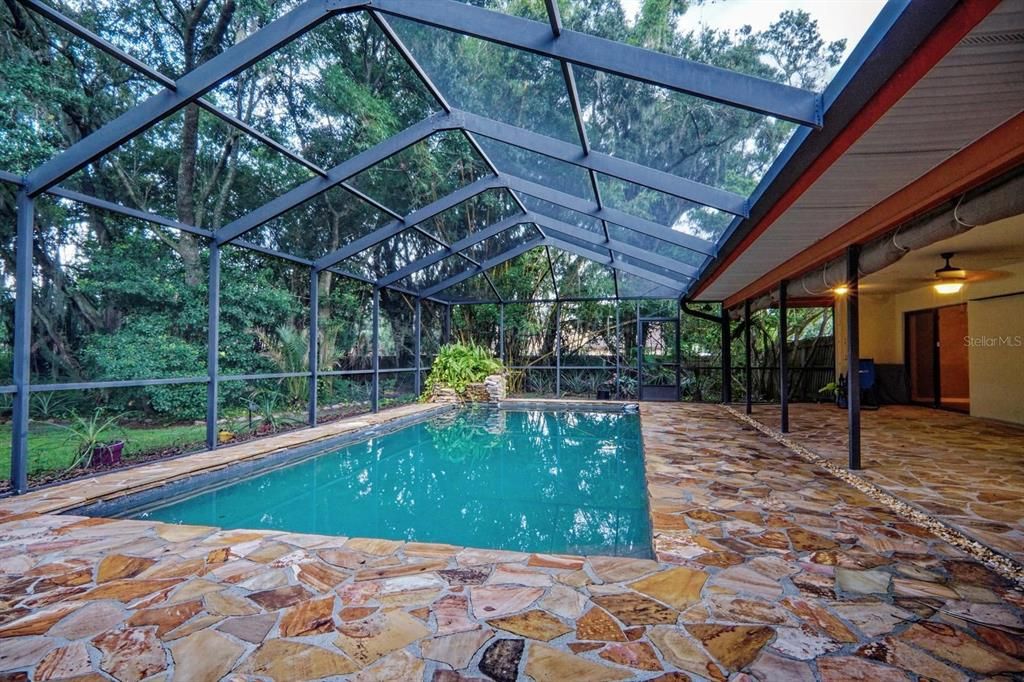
[{"x": 895, "y": 120}]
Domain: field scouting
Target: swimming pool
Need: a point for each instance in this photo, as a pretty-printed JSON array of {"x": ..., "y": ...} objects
[{"x": 559, "y": 482}]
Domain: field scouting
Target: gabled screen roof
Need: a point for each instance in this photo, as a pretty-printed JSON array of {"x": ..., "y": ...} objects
[{"x": 485, "y": 153}]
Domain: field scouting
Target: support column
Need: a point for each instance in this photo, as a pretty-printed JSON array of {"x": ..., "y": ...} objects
[
  {"x": 726, "y": 357},
  {"x": 417, "y": 342},
  {"x": 446, "y": 325},
  {"x": 679, "y": 350},
  {"x": 853, "y": 356},
  {"x": 314, "y": 338},
  {"x": 748, "y": 380},
  {"x": 375, "y": 384},
  {"x": 501, "y": 332},
  {"x": 558, "y": 349},
  {"x": 212, "y": 346},
  {"x": 22, "y": 342},
  {"x": 783, "y": 359},
  {"x": 618, "y": 348},
  {"x": 639, "y": 355}
]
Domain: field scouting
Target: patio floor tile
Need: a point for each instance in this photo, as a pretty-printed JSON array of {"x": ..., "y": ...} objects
[{"x": 772, "y": 568}]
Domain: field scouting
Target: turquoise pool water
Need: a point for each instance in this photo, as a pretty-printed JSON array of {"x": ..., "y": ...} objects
[{"x": 565, "y": 482}]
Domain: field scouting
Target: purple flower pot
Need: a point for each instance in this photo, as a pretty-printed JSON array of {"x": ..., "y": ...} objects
[{"x": 107, "y": 455}]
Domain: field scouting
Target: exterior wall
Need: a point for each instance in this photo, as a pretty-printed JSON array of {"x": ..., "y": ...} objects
[
  {"x": 996, "y": 326},
  {"x": 996, "y": 372}
]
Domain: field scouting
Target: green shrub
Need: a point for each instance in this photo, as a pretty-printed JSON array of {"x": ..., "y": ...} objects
[{"x": 459, "y": 364}]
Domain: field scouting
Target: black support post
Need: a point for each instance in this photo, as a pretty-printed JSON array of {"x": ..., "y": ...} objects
[
  {"x": 618, "y": 348},
  {"x": 558, "y": 349},
  {"x": 375, "y": 384},
  {"x": 726, "y": 357},
  {"x": 212, "y": 345},
  {"x": 639, "y": 355},
  {"x": 783, "y": 355},
  {"x": 417, "y": 343},
  {"x": 748, "y": 380},
  {"x": 679, "y": 351},
  {"x": 22, "y": 342},
  {"x": 446, "y": 325},
  {"x": 314, "y": 328},
  {"x": 853, "y": 355},
  {"x": 501, "y": 332}
]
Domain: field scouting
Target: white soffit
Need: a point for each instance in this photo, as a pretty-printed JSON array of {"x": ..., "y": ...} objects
[{"x": 972, "y": 90}]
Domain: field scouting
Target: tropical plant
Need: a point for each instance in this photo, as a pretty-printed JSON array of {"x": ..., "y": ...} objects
[
  {"x": 48, "y": 405},
  {"x": 288, "y": 348},
  {"x": 460, "y": 364},
  {"x": 579, "y": 382},
  {"x": 627, "y": 386},
  {"x": 268, "y": 411},
  {"x": 540, "y": 382},
  {"x": 89, "y": 433}
]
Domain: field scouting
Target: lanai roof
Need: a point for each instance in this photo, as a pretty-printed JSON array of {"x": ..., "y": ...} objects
[{"x": 548, "y": 182}]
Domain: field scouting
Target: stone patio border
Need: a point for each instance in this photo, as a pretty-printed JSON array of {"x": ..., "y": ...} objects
[{"x": 995, "y": 560}]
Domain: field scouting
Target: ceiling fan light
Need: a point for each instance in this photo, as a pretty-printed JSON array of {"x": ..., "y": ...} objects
[
  {"x": 949, "y": 279},
  {"x": 841, "y": 290},
  {"x": 948, "y": 287}
]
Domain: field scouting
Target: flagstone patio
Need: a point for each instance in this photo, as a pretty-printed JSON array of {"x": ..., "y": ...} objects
[
  {"x": 768, "y": 568},
  {"x": 965, "y": 471}
]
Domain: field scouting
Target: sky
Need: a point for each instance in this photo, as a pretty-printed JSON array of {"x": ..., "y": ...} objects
[{"x": 836, "y": 18}]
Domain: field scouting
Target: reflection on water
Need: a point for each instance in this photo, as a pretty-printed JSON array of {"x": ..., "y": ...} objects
[{"x": 567, "y": 482}]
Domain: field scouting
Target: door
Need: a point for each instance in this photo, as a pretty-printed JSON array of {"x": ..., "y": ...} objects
[
  {"x": 658, "y": 363},
  {"x": 937, "y": 357},
  {"x": 954, "y": 373}
]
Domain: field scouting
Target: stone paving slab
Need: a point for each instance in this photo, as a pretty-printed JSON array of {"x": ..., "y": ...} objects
[
  {"x": 767, "y": 568},
  {"x": 964, "y": 471}
]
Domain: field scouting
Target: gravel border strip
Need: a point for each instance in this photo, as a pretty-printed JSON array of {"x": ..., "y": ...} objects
[{"x": 1000, "y": 563}]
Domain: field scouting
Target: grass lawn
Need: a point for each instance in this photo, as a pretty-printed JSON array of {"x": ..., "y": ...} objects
[{"x": 49, "y": 448}]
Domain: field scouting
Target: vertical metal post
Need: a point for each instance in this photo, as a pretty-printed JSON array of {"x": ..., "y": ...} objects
[
  {"x": 446, "y": 326},
  {"x": 417, "y": 341},
  {"x": 22, "y": 341},
  {"x": 314, "y": 333},
  {"x": 501, "y": 332},
  {"x": 726, "y": 357},
  {"x": 618, "y": 347},
  {"x": 679, "y": 350},
  {"x": 783, "y": 352},
  {"x": 212, "y": 346},
  {"x": 639, "y": 355},
  {"x": 375, "y": 385},
  {"x": 748, "y": 380},
  {"x": 558, "y": 349},
  {"x": 853, "y": 355}
]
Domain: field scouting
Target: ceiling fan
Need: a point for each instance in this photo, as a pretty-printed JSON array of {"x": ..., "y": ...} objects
[{"x": 949, "y": 279}]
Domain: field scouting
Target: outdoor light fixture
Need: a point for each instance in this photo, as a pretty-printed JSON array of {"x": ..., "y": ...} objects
[
  {"x": 949, "y": 280},
  {"x": 841, "y": 290}
]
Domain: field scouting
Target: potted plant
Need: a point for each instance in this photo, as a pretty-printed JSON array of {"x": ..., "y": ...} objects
[
  {"x": 94, "y": 445},
  {"x": 837, "y": 389}
]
